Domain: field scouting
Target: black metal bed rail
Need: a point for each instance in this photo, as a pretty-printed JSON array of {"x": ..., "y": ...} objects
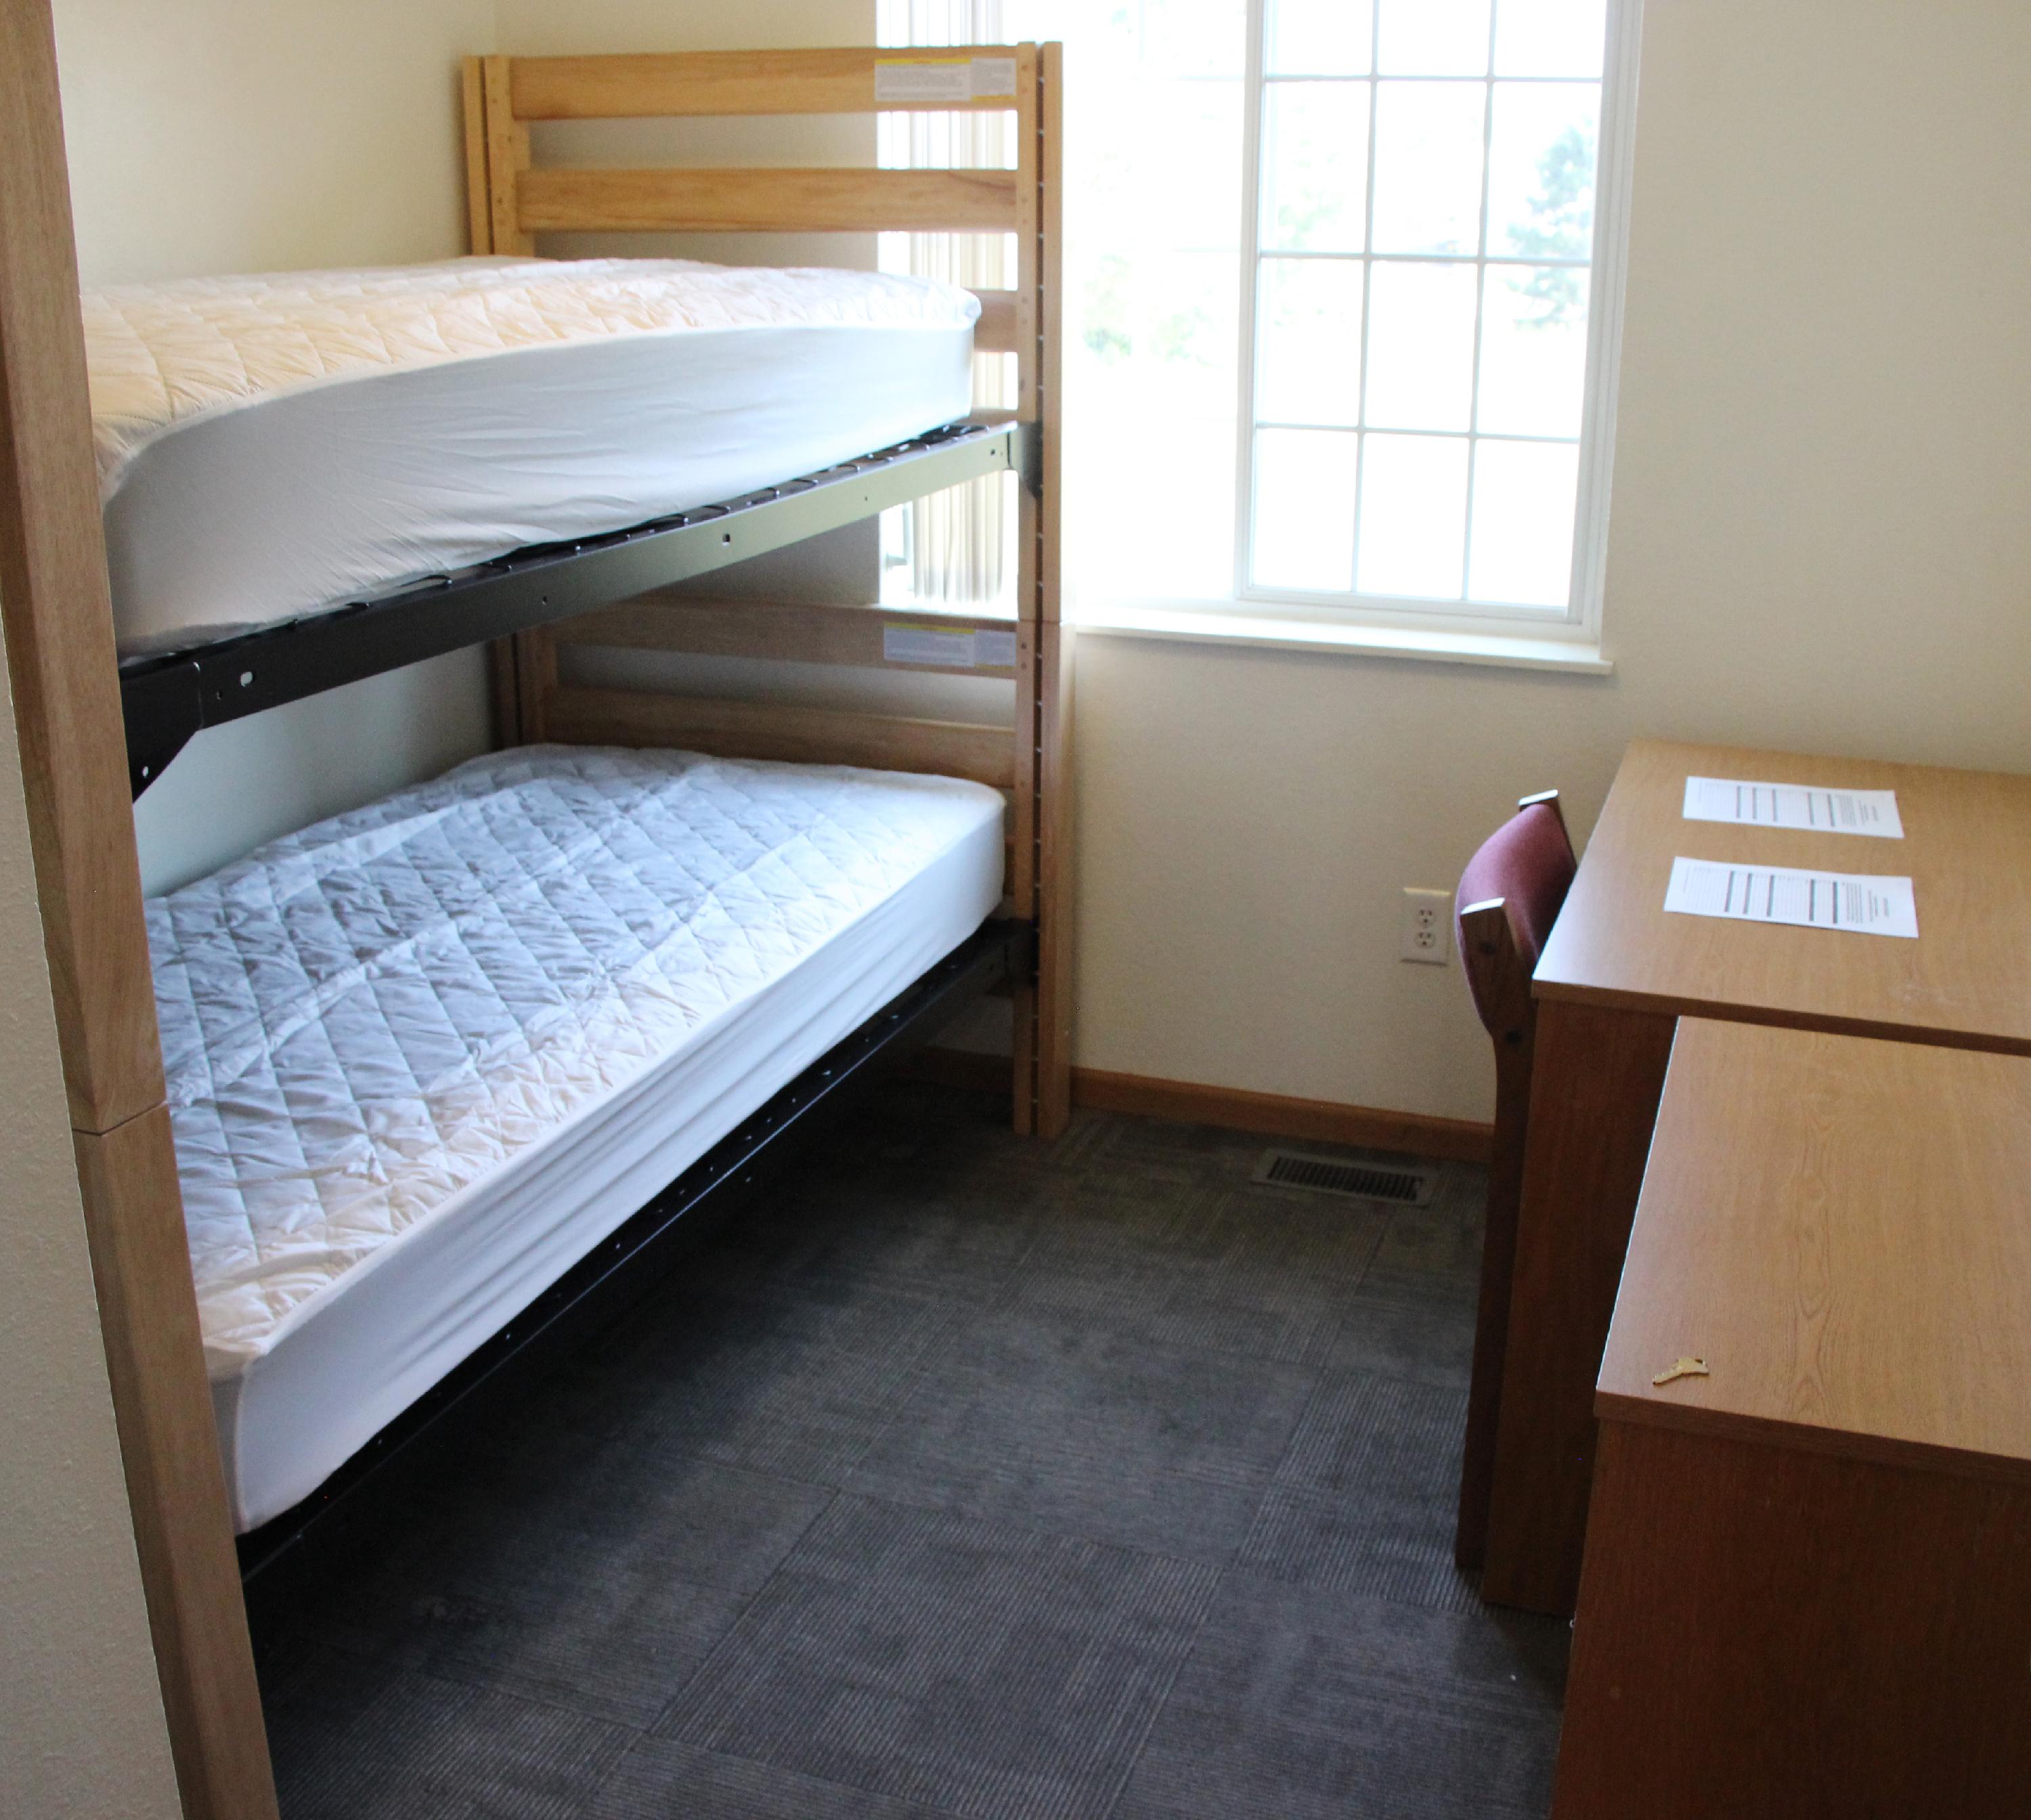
[
  {"x": 631, "y": 1263},
  {"x": 170, "y": 698}
]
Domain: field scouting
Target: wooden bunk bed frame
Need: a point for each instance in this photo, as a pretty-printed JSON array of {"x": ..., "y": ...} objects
[
  {"x": 74, "y": 711},
  {"x": 512, "y": 198}
]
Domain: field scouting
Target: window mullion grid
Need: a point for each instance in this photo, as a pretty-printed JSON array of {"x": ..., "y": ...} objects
[
  {"x": 1407, "y": 75},
  {"x": 1435, "y": 435},
  {"x": 1479, "y": 306},
  {"x": 1255, "y": 168},
  {"x": 1427, "y": 259},
  {"x": 1367, "y": 275},
  {"x": 1483, "y": 261}
]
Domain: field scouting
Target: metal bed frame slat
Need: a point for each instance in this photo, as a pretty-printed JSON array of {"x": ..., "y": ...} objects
[{"x": 168, "y": 700}]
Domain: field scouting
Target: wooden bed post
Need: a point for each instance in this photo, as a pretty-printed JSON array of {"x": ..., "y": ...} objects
[
  {"x": 1043, "y": 885},
  {"x": 58, "y": 628}
]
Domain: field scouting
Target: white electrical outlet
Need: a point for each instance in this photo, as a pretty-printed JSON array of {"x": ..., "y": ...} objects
[{"x": 1428, "y": 925}]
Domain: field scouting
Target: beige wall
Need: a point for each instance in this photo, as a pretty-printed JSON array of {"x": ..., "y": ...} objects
[
  {"x": 233, "y": 136},
  {"x": 225, "y": 136},
  {"x": 81, "y": 1728},
  {"x": 1821, "y": 540},
  {"x": 541, "y": 27}
]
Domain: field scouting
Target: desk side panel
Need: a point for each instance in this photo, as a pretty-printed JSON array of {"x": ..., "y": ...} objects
[
  {"x": 1597, "y": 1077},
  {"x": 1766, "y": 1633}
]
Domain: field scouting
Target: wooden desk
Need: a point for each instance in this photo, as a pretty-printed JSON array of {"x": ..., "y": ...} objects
[
  {"x": 1616, "y": 976},
  {"x": 1808, "y": 1581}
]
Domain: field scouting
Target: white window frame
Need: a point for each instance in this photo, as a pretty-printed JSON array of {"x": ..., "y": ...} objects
[{"x": 1579, "y": 622}]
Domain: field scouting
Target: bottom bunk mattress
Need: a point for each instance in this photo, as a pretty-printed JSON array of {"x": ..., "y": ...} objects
[{"x": 423, "y": 1056}]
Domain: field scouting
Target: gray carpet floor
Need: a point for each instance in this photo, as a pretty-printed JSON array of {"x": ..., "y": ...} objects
[{"x": 973, "y": 1479}]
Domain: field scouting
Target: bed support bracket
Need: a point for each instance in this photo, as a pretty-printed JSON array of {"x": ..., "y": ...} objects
[{"x": 165, "y": 711}]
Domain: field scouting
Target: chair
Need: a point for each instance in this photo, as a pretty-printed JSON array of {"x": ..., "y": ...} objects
[{"x": 1509, "y": 897}]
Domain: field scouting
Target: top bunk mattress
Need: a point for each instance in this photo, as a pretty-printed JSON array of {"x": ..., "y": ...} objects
[
  {"x": 271, "y": 447},
  {"x": 423, "y": 1056}
]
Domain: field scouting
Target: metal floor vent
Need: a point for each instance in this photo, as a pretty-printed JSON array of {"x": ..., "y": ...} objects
[{"x": 1409, "y": 1187}]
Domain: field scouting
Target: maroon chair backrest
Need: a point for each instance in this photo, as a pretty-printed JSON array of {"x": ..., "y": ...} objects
[
  {"x": 1528, "y": 862},
  {"x": 1510, "y": 895}
]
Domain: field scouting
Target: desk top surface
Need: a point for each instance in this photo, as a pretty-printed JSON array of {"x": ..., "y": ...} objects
[
  {"x": 1965, "y": 982},
  {"x": 1841, "y": 1229}
]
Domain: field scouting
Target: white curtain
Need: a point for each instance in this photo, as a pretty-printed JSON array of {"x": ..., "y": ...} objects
[{"x": 954, "y": 546}]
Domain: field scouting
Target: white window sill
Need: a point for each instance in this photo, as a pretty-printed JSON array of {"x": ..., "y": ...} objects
[{"x": 1270, "y": 630}]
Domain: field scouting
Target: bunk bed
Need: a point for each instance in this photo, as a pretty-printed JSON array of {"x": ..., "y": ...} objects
[{"x": 782, "y": 787}]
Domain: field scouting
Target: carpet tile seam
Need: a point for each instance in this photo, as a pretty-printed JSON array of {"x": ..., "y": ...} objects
[
  {"x": 654, "y": 1729},
  {"x": 1023, "y": 1520},
  {"x": 1163, "y": 1705},
  {"x": 495, "y": 1690},
  {"x": 1195, "y": 1582},
  {"x": 927, "y": 1811}
]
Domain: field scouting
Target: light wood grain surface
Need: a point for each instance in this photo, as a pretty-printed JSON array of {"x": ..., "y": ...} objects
[
  {"x": 1769, "y": 1634},
  {"x": 1055, "y": 801},
  {"x": 804, "y": 632},
  {"x": 58, "y": 635},
  {"x": 59, "y": 613},
  {"x": 169, "y": 1445},
  {"x": 472, "y": 115},
  {"x": 746, "y": 729},
  {"x": 1033, "y": 759},
  {"x": 996, "y": 331},
  {"x": 830, "y": 80},
  {"x": 1842, "y": 1230},
  {"x": 1596, "y": 1073},
  {"x": 1616, "y": 960},
  {"x": 1966, "y": 980},
  {"x": 764, "y": 201},
  {"x": 507, "y": 158}
]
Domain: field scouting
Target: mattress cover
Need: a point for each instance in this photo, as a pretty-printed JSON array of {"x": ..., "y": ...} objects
[
  {"x": 267, "y": 446},
  {"x": 423, "y": 1057}
]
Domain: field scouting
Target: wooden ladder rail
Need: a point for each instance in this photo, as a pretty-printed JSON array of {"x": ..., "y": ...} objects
[{"x": 58, "y": 620}]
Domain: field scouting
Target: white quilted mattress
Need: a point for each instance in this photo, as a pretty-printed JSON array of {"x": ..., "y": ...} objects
[
  {"x": 271, "y": 446},
  {"x": 423, "y": 1056}
]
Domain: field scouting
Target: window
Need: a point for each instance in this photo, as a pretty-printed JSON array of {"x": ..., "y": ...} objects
[
  {"x": 1422, "y": 248},
  {"x": 1344, "y": 285}
]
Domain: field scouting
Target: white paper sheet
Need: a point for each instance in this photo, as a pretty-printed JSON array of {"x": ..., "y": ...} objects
[
  {"x": 1808, "y": 806},
  {"x": 1868, "y": 905}
]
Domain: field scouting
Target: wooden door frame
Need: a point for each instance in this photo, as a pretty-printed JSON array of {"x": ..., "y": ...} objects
[{"x": 56, "y": 615}]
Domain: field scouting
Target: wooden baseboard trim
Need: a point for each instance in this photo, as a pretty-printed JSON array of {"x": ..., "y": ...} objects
[
  {"x": 1276, "y": 1115},
  {"x": 1235, "y": 1109}
]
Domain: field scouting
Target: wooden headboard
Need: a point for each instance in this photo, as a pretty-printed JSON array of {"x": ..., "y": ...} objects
[{"x": 511, "y": 199}]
